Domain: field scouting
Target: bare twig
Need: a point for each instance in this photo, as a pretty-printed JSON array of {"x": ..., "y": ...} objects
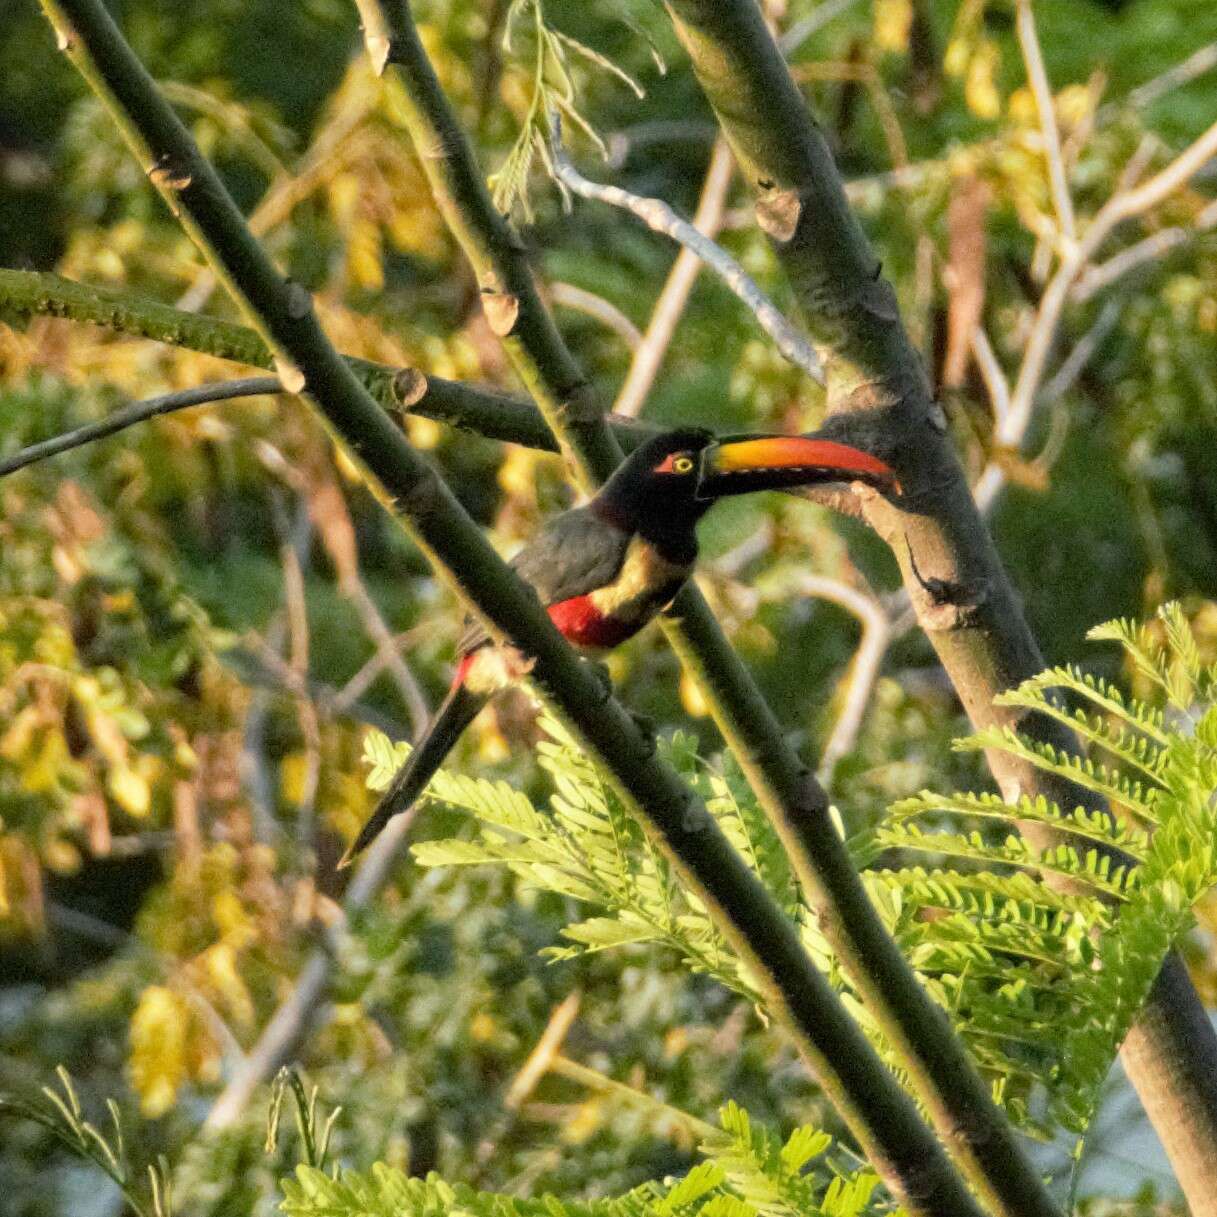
[
  {"x": 529, "y": 1075},
  {"x": 868, "y": 659},
  {"x": 1037, "y": 77},
  {"x": 287, "y": 191},
  {"x": 1122, "y": 206},
  {"x": 792, "y": 40},
  {"x": 649, "y": 354},
  {"x": 991, "y": 373},
  {"x": 1195, "y": 65},
  {"x": 567, "y": 295},
  {"x": 1066, "y": 375},
  {"x": 659, "y": 217},
  {"x": 291, "y": 560},
  {"x": 1095, "y": 279},
  {"x": 387, "y": 649},
  {"x": 291, "y": 1023},
  {"x": 138, "y": 412},
  {"x": 698, "y": 1130}
]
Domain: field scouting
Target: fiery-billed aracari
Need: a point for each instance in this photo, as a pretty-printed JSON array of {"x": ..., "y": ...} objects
[{"x": 604, "y": 569}]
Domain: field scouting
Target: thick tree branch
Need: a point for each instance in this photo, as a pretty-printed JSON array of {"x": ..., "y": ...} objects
[
  {"x": 467, "y": 407},
  {"x": 877, "y": 1110},
  {"x": 878, "y": 393}
]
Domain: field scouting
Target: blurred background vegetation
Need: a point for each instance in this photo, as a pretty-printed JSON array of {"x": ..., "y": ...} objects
[{"x": 199, "y": 618}]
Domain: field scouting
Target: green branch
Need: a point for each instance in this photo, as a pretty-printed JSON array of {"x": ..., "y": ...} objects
[
  {"x": 966, "y": 1117},
  {"x": 878, "y": 396},
  {"x": 854, "y": 1079},
  {"x": 496, "y": 415}
]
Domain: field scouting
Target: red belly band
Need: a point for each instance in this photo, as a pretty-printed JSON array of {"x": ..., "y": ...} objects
[{"x": 582, "y": 624}]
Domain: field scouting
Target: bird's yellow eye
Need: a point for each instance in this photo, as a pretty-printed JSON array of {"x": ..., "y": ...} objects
[{"x": 682, "y": 464}]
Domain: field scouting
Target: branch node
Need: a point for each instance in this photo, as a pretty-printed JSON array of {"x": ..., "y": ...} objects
[
  {"x": 948, "y": 604},
  {"x": 580, "y": 405},
  {"x": 380, "y": 48},
  {"x": 694, "y": 817},
  {"x": 409, "y": 387},
  {"x": 290, "y": 376},
  {"x": 502, "y": 310},
  {"x": 170, "y": 173},
  {"x": 298, "y": 300},
  {"x": 778, "y": 212}
]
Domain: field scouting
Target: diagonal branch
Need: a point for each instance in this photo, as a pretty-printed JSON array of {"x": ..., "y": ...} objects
[
  {"x": 659, "y": 217},
  {"x": 1037, "y": 77},
  {"x": 467, "y": 407},
  {"x": 869, "y": 1097},
  {"x": 878, "y": 394}
]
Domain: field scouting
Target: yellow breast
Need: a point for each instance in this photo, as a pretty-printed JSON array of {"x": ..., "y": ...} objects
[{"x": 647, "y": 583}]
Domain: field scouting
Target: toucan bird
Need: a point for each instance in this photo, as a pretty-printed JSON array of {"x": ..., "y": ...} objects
[{"x": 604, "y": 569}]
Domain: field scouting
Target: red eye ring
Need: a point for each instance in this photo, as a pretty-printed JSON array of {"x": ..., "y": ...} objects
[{"x": 676, "y": 462}]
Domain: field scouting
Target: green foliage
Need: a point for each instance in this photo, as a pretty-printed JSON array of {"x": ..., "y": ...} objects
[
  {"x": 1044, "y": 983},
  {"x": 584, "y": 845},
  {"x": 552, "y": 93},
  {"x": 1041, "y": 981},
  {"x": 747, "y": 1172},
  {"x": 61, "y": 1114}
]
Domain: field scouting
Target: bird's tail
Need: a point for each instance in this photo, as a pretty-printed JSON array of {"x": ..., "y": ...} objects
[{"x": 455, "y": 713}]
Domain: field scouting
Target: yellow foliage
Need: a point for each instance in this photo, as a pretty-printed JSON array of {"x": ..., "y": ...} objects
[
  {"x": 231, "y": 918},
  {"x": 130, "y": 790},
  {"x": 893, "y": 21},
  {"x": 158, "y": 1062},
  {"x": 517, "y": 473},
  {"x": 220, "y": 963},
  {"x": 293, "y": 772},
  {"x": 980, "y": 87},
  {"x": 365, "y": 262},
  {"x": 964, "y": 37},
  {"x": 1022, "y": 108},
  {"x": 587, "y": 1121},
  {"x": 482, "y": 1028}
]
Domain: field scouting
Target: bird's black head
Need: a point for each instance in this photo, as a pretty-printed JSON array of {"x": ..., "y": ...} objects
[
  {"x": 669, "y": 482},
  {"x": 655, "y": 491}
]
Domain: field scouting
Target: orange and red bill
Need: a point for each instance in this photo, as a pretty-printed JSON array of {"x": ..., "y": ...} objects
[{"x": 741, "y": 464}]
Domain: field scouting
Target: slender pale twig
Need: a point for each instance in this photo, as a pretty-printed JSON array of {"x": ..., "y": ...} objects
[
  {"x": 659, "y": 217},
  {"x": 992, "y": 374},
  {"x": 296, "y": 1015},
  {"x": 1097, "y": 278},
  {"x": 1195, "y": 65},
  {"x": 529, "y": 1075},
  {"x": 1064, "y": 378},
  {"x": 792, "y": 40},
  {"x": 670, "y": 305},
  {"x": 1122, "y": 206},
  {"x": 285, "y": 194},
  {"x": 138, "y": 412},
  {"x": 567, "y": 295},
  {"x": 1037, "y": 77},
  {"x": 292, "y": 561},
  {"x": 864, "y": 670}
]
